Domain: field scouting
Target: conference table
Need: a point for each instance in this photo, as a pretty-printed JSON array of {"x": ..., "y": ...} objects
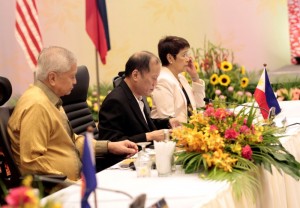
[{"x": 188, "y": 190}]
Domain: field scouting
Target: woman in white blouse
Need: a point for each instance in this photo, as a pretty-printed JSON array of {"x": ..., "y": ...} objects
[{"x": 173, "y": 96}]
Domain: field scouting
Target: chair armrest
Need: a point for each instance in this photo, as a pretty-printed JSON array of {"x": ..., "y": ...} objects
[{"x": 57, "y": 177}]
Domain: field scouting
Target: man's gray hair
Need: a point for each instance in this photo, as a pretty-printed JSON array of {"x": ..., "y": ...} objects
[{"x": 54, "y": 59}]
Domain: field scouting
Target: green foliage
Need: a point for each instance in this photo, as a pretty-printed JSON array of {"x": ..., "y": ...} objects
[
  {"x": 224, "y": 79},
  {"x": 289, "y": 90},
  {"x": 288, "y": 84},
  {"x": 92, "y": 100},
  {"x": 221, "y": 145}
]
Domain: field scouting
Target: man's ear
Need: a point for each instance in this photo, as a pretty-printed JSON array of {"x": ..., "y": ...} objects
[
  {"x": 52, "y": 78},
  {"x": 135, "y": 74}
]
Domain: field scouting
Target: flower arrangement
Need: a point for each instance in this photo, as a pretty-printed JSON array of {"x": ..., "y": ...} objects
[
  {"x": 25, "y": 196},
  {"x": 92, "y": 99},
  {"x": 222, "y": 145},
  {"x": 224, "y": 79},
  {"x": 288, "y": 90},
  {"x": 288, "y": 94}
]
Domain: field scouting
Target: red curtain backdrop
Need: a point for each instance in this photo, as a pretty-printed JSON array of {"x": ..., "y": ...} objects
[{"x": 294, "y": 25}]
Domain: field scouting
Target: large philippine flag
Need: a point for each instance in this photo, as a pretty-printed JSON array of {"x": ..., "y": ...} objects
[
  {"x": 97, "y": 26},
  {"x": 264, "y": 95},
  {"x": 89, "y": 181}
]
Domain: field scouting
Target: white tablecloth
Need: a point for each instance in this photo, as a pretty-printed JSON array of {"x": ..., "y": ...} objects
[{"x": 187, "y": 190}]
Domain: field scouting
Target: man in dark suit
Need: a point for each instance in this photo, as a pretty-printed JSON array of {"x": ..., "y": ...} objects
[{"x": 122, "y": 115}]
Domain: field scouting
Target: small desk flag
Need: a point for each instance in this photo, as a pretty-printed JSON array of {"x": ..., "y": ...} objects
[
  {"x": 89, "y": 181},
  {"x": 264, "y": 95}
]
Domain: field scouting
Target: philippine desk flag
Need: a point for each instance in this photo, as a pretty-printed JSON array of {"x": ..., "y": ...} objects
[
  {"x": 89, "y": 181},
  {"x": 265, "y": 96}
]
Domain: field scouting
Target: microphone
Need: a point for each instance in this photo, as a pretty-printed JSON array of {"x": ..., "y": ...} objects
[
  {"x": 138, "y": 201},
  {"x": 293, "y": 124},
  {"x": 67, "y": 183},
  {"x": 271, "y": 112},
  {"x": 284, "y": 126}
]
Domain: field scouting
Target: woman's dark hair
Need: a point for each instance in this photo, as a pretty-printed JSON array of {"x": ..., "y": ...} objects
[
  {"x": 139, "y": 61},
  {"x": 170, "y": 45}
]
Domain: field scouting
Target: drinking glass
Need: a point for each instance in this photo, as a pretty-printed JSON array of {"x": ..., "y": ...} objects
[{"x": 143, "y": 162}]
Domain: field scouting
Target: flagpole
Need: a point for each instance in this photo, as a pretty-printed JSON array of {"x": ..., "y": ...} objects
[
  {"x": 97, "y": 78},
  {"x": 265, "y": 66},
  {"x": 95, "y": 199}
]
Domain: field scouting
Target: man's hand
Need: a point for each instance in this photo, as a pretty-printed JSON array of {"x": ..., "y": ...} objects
[
  {"x": 122, "y": 147},
  {"x": 157, "y": 135},
  {"x": 174, "y": 122}
]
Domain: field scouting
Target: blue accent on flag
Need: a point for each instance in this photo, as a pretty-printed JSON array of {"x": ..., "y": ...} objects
[
  {"x": 103, "y": 13},
  {"x": 88, "y": 174},
  {"x": 97, "y": 26},
  {"x": 270, "y": 96}
]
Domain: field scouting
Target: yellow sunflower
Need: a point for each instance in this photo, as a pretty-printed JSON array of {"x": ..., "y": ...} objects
[
  {"x": 244, "y": 82},
  {"x": 224, "y": 80},
  {"x": 226, "y": 66},
  {"x": 243, "y": 70},
  {"x": 214, "y": 79}
]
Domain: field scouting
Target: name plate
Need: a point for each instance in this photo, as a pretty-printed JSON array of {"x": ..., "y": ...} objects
[{"x": 160, "y": 204}]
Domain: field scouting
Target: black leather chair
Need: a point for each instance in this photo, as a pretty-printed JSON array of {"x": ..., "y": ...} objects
[
  {"x": 117, "y": 79},
  {"x": 77, "y": 109},
  {"x": 75, "y": 104},
  {"x": 10, "y": 173}
]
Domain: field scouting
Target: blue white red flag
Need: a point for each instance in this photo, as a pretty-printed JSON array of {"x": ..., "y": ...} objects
[
  {"x": 264, "y": 95},
  {"x": 89, "y": 181}
]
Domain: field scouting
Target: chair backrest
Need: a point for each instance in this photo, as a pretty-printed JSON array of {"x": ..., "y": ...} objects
[
  {"x": 5, "y": 90},
  {"x": 117, "y": 80},
  {"x": 75, "y": 104},
  {"x": 10, "y": 173}
]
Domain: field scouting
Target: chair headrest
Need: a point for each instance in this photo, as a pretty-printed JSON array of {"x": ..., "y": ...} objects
[
  {"x": 80, "y": 89},
  {"x": 121, "y": 74},
  {"x": 5, "y": 90}
]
